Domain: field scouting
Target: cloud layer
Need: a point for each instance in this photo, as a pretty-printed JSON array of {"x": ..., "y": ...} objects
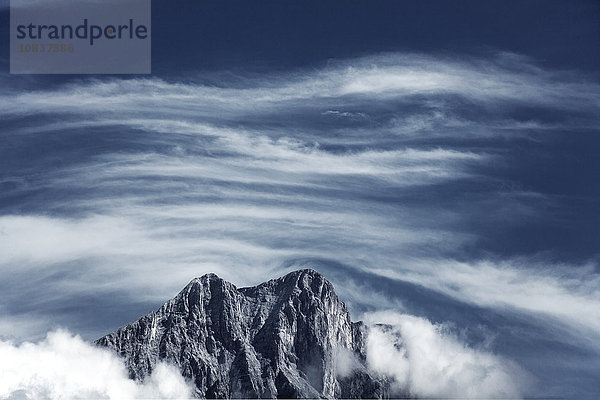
[
  {"x": 426, "y": 361},
  {"x": 458, "y": 176},
  {"x": 65, "y": 367},
  {"x": 422, "y": 360}
]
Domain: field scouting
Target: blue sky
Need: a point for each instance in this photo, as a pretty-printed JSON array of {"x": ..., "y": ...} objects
[{"x": 434, "y": 159}]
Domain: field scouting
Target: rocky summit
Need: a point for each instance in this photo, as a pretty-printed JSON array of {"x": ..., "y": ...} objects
[{"x": 286, "y": 338}]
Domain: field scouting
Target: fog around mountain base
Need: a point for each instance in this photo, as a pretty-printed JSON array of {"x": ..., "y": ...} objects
[{"x": 420, "y": 357}]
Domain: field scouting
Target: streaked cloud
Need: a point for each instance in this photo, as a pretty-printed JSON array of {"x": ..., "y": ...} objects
[
  {"x": 397, "y": 165},
  {"x": 565, "y": 293},
  {"x": 501, "y": 80}
]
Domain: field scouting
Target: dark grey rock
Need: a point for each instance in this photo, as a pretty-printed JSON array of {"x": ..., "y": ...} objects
[{"x": 281, "y": 339}]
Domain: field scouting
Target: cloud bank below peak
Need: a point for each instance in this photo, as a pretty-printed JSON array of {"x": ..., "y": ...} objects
[
  {"x": 64, "y": 366},
  {"x": 425, "y": 360}
]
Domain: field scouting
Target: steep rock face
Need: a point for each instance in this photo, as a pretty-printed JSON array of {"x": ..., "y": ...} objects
[{"x": 282, "y": 338}]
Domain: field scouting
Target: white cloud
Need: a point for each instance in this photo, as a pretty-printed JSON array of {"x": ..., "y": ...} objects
[
  {"x": 422, "y": 358},
  {"x": 345, "y": 362},
  {"x": 383, "y": 77},
  {"x": 425, "y": 360},
  {"x": 26, "y": 239},
  {"x": 567, "y": 293},
  {"x": 65, "y": 367},
  {"x": 23, "y": 326},
  {"x": 198, "y": 188},
  {"x": 131, "y": 246}
]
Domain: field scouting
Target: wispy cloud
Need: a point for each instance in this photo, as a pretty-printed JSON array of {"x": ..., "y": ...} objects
[
  {"x": 566, "y": 293},
  {"x": 398, "y": 165},
  {"x": 503, "y": 80}
]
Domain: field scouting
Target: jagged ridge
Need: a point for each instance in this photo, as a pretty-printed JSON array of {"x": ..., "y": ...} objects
[{"x": 281, "y": 338}]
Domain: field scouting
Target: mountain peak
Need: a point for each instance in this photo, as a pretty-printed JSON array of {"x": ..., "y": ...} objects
[
  {"x": 293, "y": 275},
  {"x": 276, "y": 339},
  {"x": 211, "y": 275},
  {"x": 305, "y": 271},
  {"x": 311, "y": 280}
]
